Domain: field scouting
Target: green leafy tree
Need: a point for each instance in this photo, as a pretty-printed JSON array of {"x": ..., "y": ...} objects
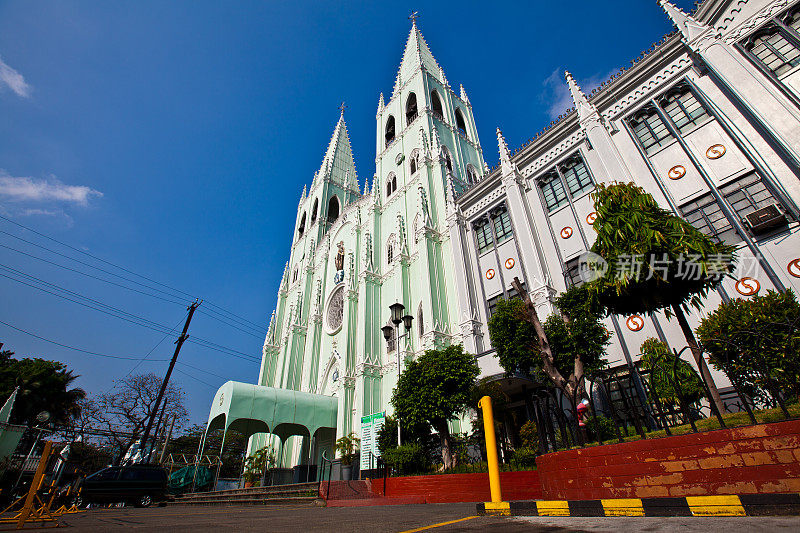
[
  {"x": 673, "y": 379},
  {"x": 571, "y": 343},
  {"x": 256, "y": 465},
  {"x": 410, "y": 433},
  {"x": 43, "y": 386},
  {"x": 679, "y": 264},
  {"x": 188, "y": 442},
  {"x": 756, "y": 342},
  {"x": 434, "y": 389}
]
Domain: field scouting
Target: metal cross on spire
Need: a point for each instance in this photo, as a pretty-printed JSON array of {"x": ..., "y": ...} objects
[
  {"x": 342, "y": 107},
  {"x": 413, "y": 17}
]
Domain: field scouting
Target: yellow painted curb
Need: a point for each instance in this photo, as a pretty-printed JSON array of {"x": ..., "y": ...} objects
[
  {"x": 553, "y": 508},
  {"x": 497, "y": 508},
  {"x": 623, "y": 507},
  {"x": 715, "y": 506}
]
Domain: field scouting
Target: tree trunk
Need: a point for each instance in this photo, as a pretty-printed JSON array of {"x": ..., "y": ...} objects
[
  {"x": 698, "y": 357},
  {"x": 448, "y": 461}
]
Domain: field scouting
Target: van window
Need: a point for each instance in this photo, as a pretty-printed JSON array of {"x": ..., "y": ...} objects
[{"x": 107, "y": 474}]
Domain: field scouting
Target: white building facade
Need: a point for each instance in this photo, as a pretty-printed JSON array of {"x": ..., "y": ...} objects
[{"x": 708, "y": 122}]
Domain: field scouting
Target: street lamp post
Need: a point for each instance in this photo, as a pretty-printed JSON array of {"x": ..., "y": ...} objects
[{"x": 389, "y": 332}]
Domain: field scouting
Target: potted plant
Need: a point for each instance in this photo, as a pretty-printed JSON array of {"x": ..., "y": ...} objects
[
  {"x": 347, "y": 446},
  {"x": 256, "y": 465}
]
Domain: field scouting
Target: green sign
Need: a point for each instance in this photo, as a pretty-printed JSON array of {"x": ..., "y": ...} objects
[{"x": 370, "y": 425}]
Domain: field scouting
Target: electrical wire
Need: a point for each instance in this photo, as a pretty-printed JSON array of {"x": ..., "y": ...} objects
[
  {"x": 185, "y": 294},
  {"x": 210, "y": 313},
  {"x": 116, "y": 312},
  {"x": 89, "y": 352}
]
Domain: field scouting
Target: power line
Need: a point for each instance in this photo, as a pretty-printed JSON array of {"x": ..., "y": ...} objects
[
  {"x": 216, "y": 315},
  {"x": 109, "y": 356},
  {"x": 222, "y": 309},
  {"x": 196, "y": 379},
  {"x": 118, "y": 313}
]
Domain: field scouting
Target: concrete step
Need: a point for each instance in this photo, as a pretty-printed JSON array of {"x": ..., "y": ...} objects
[
  {"x": 297, "y": 487},
  {"x": 306, "y": 501},
  {"x": 262, "y": 495}
]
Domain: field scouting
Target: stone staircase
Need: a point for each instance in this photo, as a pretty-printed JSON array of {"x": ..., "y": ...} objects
[{"x": 294, "y": 494}]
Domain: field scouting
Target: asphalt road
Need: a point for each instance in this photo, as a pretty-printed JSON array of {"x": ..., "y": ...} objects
[{"x": 399, "y": 518}]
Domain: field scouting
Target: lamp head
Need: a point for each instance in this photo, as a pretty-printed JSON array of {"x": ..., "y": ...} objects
[
  {"x": 407, "y": 321},
  {"x": 388, "y": 331},
  {"x": 397, "y": 312}
]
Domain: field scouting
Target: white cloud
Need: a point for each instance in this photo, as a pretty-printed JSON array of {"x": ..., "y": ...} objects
[
  {"x": 556, "y": 93},
  {"x": 27, "y": 189},
  {"x": 13, "y": 80}
]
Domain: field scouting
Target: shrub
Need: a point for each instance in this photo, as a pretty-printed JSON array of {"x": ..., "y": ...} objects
[
  {"x": 529, "y": 434},
  {"x": 407, "y": 459},
  {"x": 600, "y": 426},
  {"x": 524, "y": 458},
  {"x": 756, "y": 342}
]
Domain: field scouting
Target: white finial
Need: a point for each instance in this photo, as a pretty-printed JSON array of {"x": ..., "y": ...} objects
[
  {"x": 464, "y": 94},
  {"x": 582, "y": 105},
  {"x": 381, "y": 105},
  {"x": 688, "y": 26},
  {"x": 505, "y": 154}
]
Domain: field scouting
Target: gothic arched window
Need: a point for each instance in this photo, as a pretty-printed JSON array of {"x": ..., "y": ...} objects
[
  {"x": 411, "y": 108},
  {"x": 472, "y": 175},
  {"x": 436, "y": 105},
  {"x": 389, "y": 253},
  {"x": 650, "y": 130},
  {"x": 314, "y": 211},
  {"x": 420, "y": 321},
  {"x": 389, "y": 130},
  {"x": 684, "y": 109},
  {"x": 460, "y": 124},
  {"x": 333, "y": 209},
  {"x": 302, "y": 227},
  {"x": 774, "y": 50},
  {"x": 413, "y": 162},
  {"x": 391, "y": 184},
  {"x": 448, "y": 160}
]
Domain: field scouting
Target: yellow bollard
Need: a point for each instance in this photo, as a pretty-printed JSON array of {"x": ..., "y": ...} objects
[{"x": 497, "y": 505}]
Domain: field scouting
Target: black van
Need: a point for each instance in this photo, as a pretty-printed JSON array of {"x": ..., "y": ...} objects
[{"x": 140, "y": 485}]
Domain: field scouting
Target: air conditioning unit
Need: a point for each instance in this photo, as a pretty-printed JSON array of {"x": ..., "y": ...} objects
[{"x": 766, "y": 218}]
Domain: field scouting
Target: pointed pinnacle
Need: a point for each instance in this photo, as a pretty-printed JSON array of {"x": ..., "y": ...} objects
[
  {"x": 381, "y": 105},
  {"x": 464, "y": 94},
  {"x": 688, "y": 26},
  {"x": 505, "y": 154}
]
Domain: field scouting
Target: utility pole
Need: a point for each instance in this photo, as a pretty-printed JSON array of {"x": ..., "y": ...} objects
[{"x": 178, "y": 344}]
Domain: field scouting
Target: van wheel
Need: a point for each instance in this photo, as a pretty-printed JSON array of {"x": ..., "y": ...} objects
[
  {"x": 144, "y": 501},
  {"x": 79, "y": 502}
]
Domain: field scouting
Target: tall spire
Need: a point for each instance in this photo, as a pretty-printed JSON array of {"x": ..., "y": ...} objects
[
  {"x": 416, "y": 55},
  {"x": 687, "y": 25},
  {"x": 582, "y": 105},
  {"x": 381, "y": 105},
  {"x": 338, "y": 164}
]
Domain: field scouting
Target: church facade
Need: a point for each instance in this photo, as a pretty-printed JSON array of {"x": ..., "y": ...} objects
[{"x": 707, "y": 121}]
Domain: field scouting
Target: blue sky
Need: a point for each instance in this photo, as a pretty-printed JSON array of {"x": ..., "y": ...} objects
[{"x": 174, "y": 138}]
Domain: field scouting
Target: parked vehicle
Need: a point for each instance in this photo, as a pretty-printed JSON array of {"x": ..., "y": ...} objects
[{"x": 140, "y": 485}]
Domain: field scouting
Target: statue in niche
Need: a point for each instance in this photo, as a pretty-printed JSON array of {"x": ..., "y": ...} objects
[{"x": 339, "y": 263}]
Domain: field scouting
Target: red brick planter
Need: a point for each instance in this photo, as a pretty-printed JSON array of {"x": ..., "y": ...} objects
[
  {"x": 450, "y": 488},
  {"x": 754, "y": 459}
]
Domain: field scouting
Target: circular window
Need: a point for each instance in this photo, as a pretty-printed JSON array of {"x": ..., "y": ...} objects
[{"x": 335, "y": 312}]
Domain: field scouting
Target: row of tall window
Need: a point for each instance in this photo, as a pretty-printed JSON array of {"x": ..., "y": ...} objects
[
  {"x": 682, "y": 108},
  {"x": 412, "y": 112},
  {"x": 493, "y": 229},
  {"x": 746, "y": 195},
  {"x": 333, "y": 214},
  {"x": 776, "y": 46},
  {"x": 572, "y": 175}
]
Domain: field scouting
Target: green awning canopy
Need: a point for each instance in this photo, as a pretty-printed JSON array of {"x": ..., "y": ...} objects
[{"x": 251, "y": 409}]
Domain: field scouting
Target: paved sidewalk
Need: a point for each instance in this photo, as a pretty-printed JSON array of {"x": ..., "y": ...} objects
[{"x": 433, "y": 518}]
